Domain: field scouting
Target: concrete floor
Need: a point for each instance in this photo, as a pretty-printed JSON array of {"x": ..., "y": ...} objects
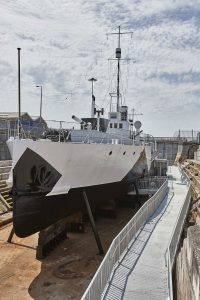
[{"x": 65, "y": 273}]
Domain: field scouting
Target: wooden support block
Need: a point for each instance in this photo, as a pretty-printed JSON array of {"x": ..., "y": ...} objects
[{"x": 50, "y": 237}]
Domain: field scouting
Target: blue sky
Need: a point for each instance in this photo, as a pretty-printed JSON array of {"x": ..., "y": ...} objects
[{"x": 64, "y": 43}]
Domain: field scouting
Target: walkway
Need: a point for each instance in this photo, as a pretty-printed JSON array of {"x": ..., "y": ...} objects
[{"x": 141, "y": 273}]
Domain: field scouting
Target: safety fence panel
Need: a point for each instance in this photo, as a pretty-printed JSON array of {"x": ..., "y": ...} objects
[{"x": 120, "y": 245}]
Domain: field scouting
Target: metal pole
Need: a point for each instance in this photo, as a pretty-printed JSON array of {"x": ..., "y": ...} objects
[
  {"x": 41, "y": 104},
  {"x": 60, "y": 130},
  {"x": 19, "y": 92},
  {"x": 118, "y": 72},
  {"x": 11, "y": 235},
  {"x": 93, "y": 98},
  {"x": 96, "y": 235},
  {"x": 8, "y": 125}
]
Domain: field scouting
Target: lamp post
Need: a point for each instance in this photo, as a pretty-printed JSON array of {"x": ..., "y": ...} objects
[
  {"x": 19, "y": 93},
  {"x": 40, "y": 101},
  {"x": 93, "y": 98}
]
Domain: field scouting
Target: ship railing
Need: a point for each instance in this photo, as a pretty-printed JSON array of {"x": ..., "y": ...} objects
[
  {"x": 120, "y": 245},
  {"x": 105, "y": 138},
  {"x": 171, "y": 252}
]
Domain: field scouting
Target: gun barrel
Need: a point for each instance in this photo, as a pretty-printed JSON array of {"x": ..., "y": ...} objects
[{"x": 78, "y": 120}]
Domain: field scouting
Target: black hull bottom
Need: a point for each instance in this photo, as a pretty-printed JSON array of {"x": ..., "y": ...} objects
[
  {"x": 34, "y": 212},
  {"x": 34, "y": 178}
]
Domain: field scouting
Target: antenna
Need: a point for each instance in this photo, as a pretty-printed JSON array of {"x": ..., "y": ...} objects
[
  {"x": 134, "y": 114},
  {"x": 112, "y": 94},
  {"x": 118, "y": 57}
]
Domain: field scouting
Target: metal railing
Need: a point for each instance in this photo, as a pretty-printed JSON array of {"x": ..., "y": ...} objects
[
  {"x": 171, "y": 251},
  {"x": 154, "y": 182},
  {"x": 28, "y": 128},
  {"x": 93, "y": 136},
  {"x": 120, "y": 245}
]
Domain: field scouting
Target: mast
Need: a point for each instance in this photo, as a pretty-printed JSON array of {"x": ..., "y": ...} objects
[
  {"x": 118, "y": 57},
  {"x": 93, "y": 97}
]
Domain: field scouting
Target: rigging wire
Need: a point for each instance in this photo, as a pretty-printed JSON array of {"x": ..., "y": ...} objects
[
  {"x": 122, "y": 88},
  {"x": 109, "y": 87}
]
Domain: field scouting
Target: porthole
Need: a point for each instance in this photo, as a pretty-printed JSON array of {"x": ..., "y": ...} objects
[
  {"x": 110, "y": 152},
  {"x": 133, "y": 153},
  {"x": 124, "y": 153}
]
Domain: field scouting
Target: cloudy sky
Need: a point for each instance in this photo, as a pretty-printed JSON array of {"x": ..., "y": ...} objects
[{"x": 64, "y": 43}]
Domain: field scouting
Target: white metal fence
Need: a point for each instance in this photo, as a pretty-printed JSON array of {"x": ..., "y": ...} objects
[
  {"x": 120, "y": 244},
  {"x": 170, "y": 254}
]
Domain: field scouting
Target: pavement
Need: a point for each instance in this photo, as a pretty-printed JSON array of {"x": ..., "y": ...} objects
[{"x": 142, "y": 272}]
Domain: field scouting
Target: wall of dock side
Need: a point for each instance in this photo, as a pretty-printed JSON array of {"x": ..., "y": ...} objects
[
  {"x": 4, "y": 152},
  {"x": 188, "y": 266}
]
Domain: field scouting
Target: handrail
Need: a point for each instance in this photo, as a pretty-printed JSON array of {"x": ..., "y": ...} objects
[
  {"x": 120, "y": 244},
  {"x": 91, "y": 136},
  {"x": 171, "y": 250}
]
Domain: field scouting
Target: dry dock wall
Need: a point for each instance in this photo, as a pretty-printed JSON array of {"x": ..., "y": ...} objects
[
  {"x": 167, "y": 150},
  {"x": 188, "y": 266},
  {"x": 4, "y": 152},
  {"x": 186, "y": 150}
]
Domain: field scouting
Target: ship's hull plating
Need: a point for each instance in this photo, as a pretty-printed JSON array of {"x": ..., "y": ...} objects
[
  {"x": 33, "y": 213},
  {"x": 49, "y": 179}
]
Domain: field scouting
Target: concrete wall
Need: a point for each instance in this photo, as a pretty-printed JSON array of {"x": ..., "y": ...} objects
[
  {"x": 4, "y": 152},
  {"x": 176, "y": 150},
  {"x": 188, "y": 266},
  {"x": 186, "y": 150},
  {"x": 167, "y": 150}
]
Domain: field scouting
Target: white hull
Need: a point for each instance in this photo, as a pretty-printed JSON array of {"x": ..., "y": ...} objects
[{"x": 81, "y": 165}]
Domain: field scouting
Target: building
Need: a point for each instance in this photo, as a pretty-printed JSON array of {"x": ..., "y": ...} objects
[{"x": 31, "y": 127}]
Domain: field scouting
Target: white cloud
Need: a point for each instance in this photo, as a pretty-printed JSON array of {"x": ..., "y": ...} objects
[{"x": 64, "y": 43}]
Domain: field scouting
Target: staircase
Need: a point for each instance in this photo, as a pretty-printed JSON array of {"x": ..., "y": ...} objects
[{"x": 6, "y": 202}]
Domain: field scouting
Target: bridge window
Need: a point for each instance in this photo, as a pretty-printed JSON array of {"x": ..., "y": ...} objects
[
  {"x": 124, "y": 116},
  {"x": 113, "y": 115},
  {"x": 115, "y": 125},
  {"x": 120, "y": 125},
  {"x": 111, "y": 125}
]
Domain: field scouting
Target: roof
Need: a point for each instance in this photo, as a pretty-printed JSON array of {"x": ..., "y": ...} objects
[
  {"x": 37, "y": 118},
  {"x": 12, "y": 115}
]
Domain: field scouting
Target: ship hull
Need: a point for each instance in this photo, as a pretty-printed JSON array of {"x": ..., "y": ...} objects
[
  {"x": 49, "y": 179},
  {"x": 33, "y": 213}
]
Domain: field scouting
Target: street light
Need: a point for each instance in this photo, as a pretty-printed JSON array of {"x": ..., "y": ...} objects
[
  {"x": 19, "y": 93},
  {"x": 40, "y": 102},
  {"x": 93, "y": 98}
]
